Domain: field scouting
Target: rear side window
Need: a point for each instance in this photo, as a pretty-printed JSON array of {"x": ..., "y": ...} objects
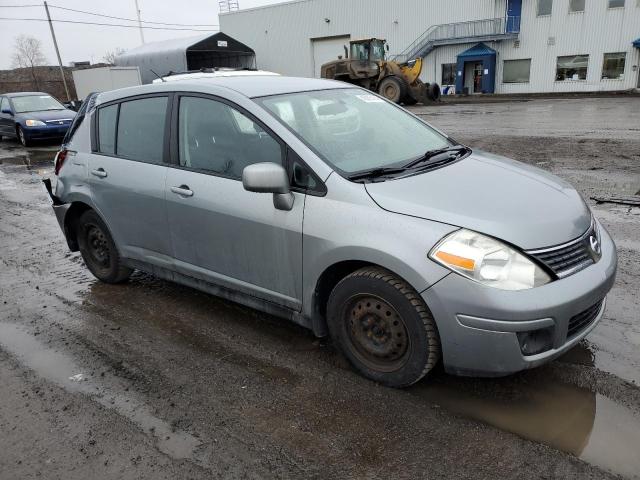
[
  {"x": 141, "y": 129},
  {"x": 107, "y": 129}
]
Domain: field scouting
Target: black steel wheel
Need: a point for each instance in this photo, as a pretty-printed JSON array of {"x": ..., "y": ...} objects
[
  {"x": 383, "y": 327},
  {"x": 98, "y": 249}
]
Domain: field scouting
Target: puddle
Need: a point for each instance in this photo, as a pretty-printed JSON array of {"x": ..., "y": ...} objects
[
  {"x": 60, "y": 369},
  {"x": 565, "y": 417}
]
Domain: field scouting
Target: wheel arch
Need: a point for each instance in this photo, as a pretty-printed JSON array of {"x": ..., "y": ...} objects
[
  {"x": 327, "y": 281},
  {"x": 71, "y": 218}
]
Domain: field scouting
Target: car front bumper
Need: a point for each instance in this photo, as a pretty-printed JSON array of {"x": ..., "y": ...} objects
[
  {"x": 479, "y": 325},
  {"x": 43, "y": 133}
]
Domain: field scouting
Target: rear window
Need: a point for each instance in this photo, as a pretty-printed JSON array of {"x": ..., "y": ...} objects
[
  {"x": 141, "y": 129},
  {"x": 133, "y": 129},
  {"x": 86, "y": 107},
  {"x": 107, "y": 129}
]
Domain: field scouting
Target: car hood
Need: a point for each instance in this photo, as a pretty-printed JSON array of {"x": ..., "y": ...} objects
[
  {"x": 46, "y": 115},
  {"x": 494, "y": 195}
]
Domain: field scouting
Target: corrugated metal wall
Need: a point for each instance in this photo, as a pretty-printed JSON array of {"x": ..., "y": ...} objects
[{"x": 282, "y": 35}]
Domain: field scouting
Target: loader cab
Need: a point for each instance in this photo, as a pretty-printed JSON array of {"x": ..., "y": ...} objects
[{"x": 371, "y": 49}]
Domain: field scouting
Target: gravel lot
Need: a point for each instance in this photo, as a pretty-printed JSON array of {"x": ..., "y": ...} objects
[{"x": 154, "y": 380}]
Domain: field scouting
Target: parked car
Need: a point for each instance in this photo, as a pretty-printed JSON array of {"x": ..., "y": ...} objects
[
  {"x": 401, "y": 244},
  {"x": 30, "y": 116}
]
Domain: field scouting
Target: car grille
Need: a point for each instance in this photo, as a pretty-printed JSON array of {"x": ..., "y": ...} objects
[
  {"x": 569, "y": 258},
  {"x": 61, "y": 121},
  {"x": 579, "y": 322}
]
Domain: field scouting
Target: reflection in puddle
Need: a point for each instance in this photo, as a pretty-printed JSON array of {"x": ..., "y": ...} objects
[
  {"x": 60, "y": 369},
  {"x": 571, "y": 419}
]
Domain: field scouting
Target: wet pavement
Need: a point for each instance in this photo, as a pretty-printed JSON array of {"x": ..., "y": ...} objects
[{"x": 154, "y": 380}]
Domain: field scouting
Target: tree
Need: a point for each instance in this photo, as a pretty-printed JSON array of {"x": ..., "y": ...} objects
[
  {"x": 110, "y": 56},
  {"x": 28, "y": 54}
]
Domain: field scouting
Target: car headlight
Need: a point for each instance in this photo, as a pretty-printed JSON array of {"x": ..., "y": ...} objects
[
  {"x": 488, "y": 261},
  {"x": 35, "y": 123}
]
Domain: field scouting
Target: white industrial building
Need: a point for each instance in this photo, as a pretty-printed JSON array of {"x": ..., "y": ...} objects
[{"x": 485, "y": 46}]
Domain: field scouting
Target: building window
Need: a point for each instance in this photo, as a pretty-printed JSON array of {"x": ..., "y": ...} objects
[
  {"x": 616, "y": 3},
  {"x": 613, "y": 66},
  {"x": 448, "y": 74},
  {"x": 572, "y": 68},
  {"x": 544, "y": 7},
  {"x": 516, "y": 71},
  {"x": 576, "y": 5}
]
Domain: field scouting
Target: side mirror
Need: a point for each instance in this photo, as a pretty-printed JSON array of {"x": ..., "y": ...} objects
[
  {"x": 269, "y": 177},
  {"x": 7, "y": 111}
]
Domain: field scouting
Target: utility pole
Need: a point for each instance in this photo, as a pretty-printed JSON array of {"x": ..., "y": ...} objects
[
  {"x": 139, "y": 22},
  {"x": 55, "y": 44}
]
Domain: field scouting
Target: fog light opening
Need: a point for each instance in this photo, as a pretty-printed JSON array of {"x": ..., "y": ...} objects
[{"x": 536, "y": 341}]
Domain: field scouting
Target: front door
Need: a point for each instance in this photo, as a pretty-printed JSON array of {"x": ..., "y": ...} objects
[
  {"x": 6, "y": 119},
  {"x": 220, "y": 232},
  {"x": 477, "y": 78},
  {"x": 127, "y": 177}
]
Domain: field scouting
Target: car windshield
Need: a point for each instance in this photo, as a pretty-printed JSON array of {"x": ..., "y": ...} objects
[
  {"x": 354, "y": 130},
  {"x": 35, "y": 103}
]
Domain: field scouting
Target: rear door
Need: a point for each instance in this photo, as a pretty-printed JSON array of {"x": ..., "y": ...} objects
[
  {"x": 127, "y": 174},
  {"x": 220, "y": 232}
]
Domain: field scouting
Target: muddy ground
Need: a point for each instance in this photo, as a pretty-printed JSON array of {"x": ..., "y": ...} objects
[{"x": 154, "y": 380}]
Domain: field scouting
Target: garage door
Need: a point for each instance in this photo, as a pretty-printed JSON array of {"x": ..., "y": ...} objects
[{"x": 327, "y": 49}]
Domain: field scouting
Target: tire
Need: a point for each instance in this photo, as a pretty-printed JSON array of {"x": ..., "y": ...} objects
[
  {"x": 392, "y": 88},
  {"x": 433, "y": 92},
  {"x": 383, "y": 327},
  {"x": 98, "y": 250},
  {"x": 22, "y": 138}
]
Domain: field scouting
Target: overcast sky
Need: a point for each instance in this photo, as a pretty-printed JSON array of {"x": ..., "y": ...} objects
[{"x": 83, "y": 42}]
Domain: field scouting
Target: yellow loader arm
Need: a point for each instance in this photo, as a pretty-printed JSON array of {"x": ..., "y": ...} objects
[{"x": 412, "y": 73}]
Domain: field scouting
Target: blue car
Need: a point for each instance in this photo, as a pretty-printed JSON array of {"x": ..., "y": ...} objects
[{"x": 30, "y": 116}]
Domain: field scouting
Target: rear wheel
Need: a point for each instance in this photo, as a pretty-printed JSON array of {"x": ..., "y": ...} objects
[
  {"x": 98, "y": 249},
  {"x": 383, "y": 327},
  {"x": 392, "y": 88}
]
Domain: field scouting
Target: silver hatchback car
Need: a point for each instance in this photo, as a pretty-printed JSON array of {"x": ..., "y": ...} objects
[{"x": 325, "y": 204}]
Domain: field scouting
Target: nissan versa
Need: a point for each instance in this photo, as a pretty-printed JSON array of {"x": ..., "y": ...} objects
[{"x": 324, "y": 203}]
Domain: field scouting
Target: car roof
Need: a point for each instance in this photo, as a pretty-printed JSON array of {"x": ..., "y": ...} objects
[
  {"x": 249, "y": 86},
  {"x": 22, "y": 94}
]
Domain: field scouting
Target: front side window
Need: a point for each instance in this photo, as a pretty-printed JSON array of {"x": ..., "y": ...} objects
[
  {"x": 4, "y": 105},
  {"x": 544, "y": 7},
  {"x": 141, "y": 129},
  {"x": 516, "y": 71},
  {"x": 359, "y": 51},
  {"x": 613, "y": 66},
  {"x": 354, "y": 130},
  {"x": 448, "y": 74},
  {"x": 576, "y": 5},
  {"x": 572, "y": 68},
  {"x": 107, "y": 117},
  {"x": 216, "y": 138},
  {"x": 36, "y": 103},
  {"x": 616, "y": 3}
]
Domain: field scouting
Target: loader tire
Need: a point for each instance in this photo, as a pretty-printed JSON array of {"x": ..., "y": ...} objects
[
  {"x": 433, "y": 92},
  {"x": 393, "y": 88}
]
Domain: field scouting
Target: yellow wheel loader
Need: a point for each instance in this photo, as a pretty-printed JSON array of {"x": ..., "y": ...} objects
[{"x": 365, "y": 65}]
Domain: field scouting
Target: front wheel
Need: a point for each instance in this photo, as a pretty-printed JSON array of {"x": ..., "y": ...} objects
[
  {"x": 392, "y": 88},
  {"x": 99, "y": 250},
  {"x": 383, "y": 327},
  {"x": 24, "y": 140}
]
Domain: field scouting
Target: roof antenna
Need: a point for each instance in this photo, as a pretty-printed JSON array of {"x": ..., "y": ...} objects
[{"x": 161, "y": 78}]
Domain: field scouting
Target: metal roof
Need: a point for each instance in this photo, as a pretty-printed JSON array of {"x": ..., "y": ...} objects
[
  {"x": 165, "y": 46},
  {"x": 478, "y": 50}
]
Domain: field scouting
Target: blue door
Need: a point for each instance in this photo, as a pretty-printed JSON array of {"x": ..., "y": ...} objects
[{"x": 514, "y": 10}]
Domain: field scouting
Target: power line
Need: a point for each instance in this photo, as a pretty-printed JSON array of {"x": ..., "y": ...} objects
[
  {"x": 105, "y": 24},
  {"x": 133, "y": 19}
]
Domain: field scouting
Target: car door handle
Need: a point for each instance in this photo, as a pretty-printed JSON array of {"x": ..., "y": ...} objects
[
  {"x": 99, "y": 173},
  {"x": 182, "y": 190}
]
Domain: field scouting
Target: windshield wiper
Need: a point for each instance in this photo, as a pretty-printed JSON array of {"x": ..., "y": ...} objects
[
  {"x": 376, "y": 173},
  {"x": 459, "y": 149}
]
